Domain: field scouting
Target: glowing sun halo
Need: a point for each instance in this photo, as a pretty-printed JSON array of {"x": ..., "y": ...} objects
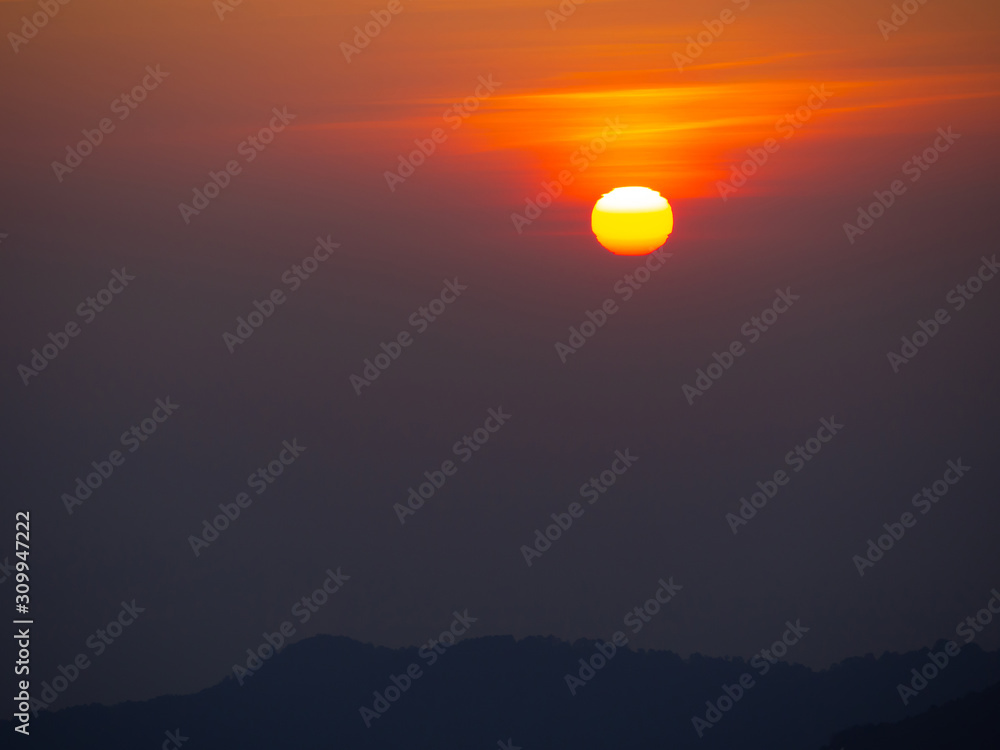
[{"x": 632, "y": 220}]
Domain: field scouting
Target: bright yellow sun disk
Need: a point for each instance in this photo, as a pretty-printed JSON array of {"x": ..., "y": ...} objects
[{"x": 632, "y": 220}]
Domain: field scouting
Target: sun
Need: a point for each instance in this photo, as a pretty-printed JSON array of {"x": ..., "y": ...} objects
[{"x": 632, "y": 220}]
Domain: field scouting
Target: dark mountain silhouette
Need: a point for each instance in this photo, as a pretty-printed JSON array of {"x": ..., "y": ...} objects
[
  {"x": 483, "y": 690},
  {"x": 970, "y": 723}
]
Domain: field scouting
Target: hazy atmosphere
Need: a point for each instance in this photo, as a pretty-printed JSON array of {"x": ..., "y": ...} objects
[{"x": 306, "y": 326}]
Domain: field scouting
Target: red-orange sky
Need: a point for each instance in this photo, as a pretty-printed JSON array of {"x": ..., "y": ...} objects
[{"x": 682, "y": 128}]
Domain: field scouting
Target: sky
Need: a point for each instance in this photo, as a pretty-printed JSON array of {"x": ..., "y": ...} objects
[{"x": 816, "y": 109}]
